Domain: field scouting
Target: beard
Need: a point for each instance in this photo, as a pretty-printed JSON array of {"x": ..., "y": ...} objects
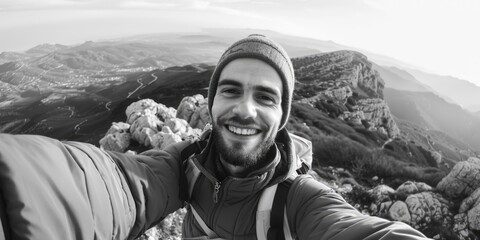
[{"x": 235, "y": 154}]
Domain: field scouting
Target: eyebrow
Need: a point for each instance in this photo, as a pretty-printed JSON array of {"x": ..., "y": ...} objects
[{"x": 259, "y": 88}]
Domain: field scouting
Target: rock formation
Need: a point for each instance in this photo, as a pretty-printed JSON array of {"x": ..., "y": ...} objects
[
  {"x": 153, "y": 125},
  {"x": 462, "y": 180},
  {"x": 117, "y": 137},
  {"x": 345, "y": 85},
  {"x": 194, "y": 110}
]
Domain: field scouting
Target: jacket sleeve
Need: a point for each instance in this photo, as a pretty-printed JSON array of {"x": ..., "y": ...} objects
[
  {"x": 69, "y": 190},
  {"x": 153, "y": 177},
  {"x": 316, "y": 212}
]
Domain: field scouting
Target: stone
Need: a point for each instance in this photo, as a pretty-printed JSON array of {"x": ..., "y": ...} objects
[
  {"x": 177, "y": 125},
  {"x": 427, "y": 208},
  {"x": 144, "y": 136},
  {"x": 118, "y": 127},
  {"x": 144, "y": 128},
  {"x": 410, "y": 187},
  {"x": 140, "y": 108},
  {"x": 117, "y": 137},
  {"x": 437, "y": 156},
  {"x": 407, "y": 187},
  {"x": 381, "y": 193},
  {"x": 383, "y": 209},
  {"x": 460, "y": 226},
  {"x": 201, "y": 117},
  {"x": 116, "y": 141},
  {"x": 194, "y": 110},
  {"x": 423, "y": 187},
  {"x": 188, "y": 105},
  {"x": 399, "y": 212},
  {"x": 145, "y": 121},
  {"x": 471, "y": 206},
  {"x": 462, "y": 180},
  {"x": 377, "y": 113},
  {"x": 164, "y": 113},
  {"x": 161, "y": 139}
]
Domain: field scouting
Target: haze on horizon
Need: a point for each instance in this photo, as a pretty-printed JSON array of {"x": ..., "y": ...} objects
[{"x": 438, "y": 36}]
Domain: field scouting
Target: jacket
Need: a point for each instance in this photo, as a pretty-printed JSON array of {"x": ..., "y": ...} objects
[
  {"x": 314, "y": 211},
  {"x": 68, "y": 190}
]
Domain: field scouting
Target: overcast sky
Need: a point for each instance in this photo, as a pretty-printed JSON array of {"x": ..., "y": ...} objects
[{"x": 441, "y": 36}]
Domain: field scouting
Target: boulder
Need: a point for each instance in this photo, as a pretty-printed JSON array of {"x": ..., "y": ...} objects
[
  {"x": 460, "y": 228},
  {"x": 144, "y": 128},
  {"x": 140, "y": 108},
  {"x": 177, "y": 125},
  {"x": 146, "y": 121},
  {"x": 117, "y": 137},
  {"x": 383, "y": 209},
  {"x": 117, "y": 141},
  {"x": 162, "y": 139},
  {"x": 188, "y": 105},
  {"x": 381, "y": 193},
  {"x": 462, "y": 180},
  {"x": 471, "y": 207},
  {"x": 426, "y": 208},
  {"x": 194, "y": 110},
  {"x": 201, "y": 117},
  {"x": 377, "y": 113},
  {"x": 410, "y": 187},
  {"x": 144, "y": 136},
  {"x": 399, "y": 212},
  {"x": 120, "y": 127},
  {"x": 164, "y": 113}
]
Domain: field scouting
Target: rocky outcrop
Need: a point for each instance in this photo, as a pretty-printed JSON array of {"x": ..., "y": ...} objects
[
  {"x": 462, "y": 180},
  {"x": 426, "y": 208},
  {"x": 117, "y": 137},
  {"x": 410, "y": 187},
  {"x": 152, "y": 125},
  {"x": 471, "y": 207},
  {"x": 194, "y": 110},
  {"x": 374, "y": 114},
  {"x": 345, "y": 85},
  {"x": 350, "y": 67}
]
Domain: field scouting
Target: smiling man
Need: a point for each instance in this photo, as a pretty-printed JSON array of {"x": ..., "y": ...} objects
[
  {"x": 246, "y": 113},
  {"x": 69, "y": 190}
]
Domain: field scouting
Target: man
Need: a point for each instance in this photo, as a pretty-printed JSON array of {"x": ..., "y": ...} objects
[{"x": 69, "y": 190}]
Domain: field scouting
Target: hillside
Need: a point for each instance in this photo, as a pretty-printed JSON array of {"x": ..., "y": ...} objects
[
  {"x": 400, "y": 79},
  {"x": 434, "y": 113},
  {"x": 462, "y": 92}
]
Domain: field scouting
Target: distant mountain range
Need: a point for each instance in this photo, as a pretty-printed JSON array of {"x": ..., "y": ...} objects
[{"x": 109, "y": 74}]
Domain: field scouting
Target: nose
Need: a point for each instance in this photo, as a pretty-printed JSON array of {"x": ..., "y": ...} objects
[{"x": 245, "y": 108}]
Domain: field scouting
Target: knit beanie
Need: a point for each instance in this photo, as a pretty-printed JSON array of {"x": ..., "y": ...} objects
[{"x": 262, "y": 48}]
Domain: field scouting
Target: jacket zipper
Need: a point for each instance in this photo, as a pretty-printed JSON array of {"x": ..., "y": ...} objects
[
  {"x": 217, "y": 195},
  {"x": 216, "y": 191}
]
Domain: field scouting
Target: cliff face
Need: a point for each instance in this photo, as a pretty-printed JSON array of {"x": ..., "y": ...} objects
[{"x": 344, "y": 84}]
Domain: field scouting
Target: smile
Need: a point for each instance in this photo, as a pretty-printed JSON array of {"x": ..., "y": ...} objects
[{"x": 242, "y": 131}]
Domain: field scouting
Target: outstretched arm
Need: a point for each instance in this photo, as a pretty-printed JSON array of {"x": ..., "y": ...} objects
[
  {"x": 69, "y": 190},
  {"x": 317, "y": 212}
]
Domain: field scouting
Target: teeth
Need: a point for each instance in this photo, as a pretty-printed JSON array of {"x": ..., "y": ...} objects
[{"x": 242, "y": 131}]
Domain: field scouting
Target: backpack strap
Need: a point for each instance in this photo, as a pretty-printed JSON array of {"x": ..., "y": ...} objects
[
  {"x": 272, "y": 222},
  {"x": 210, "y": 233},
  {"x": 188, "y": 169}
]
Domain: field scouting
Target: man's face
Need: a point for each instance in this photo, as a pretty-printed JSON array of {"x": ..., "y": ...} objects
[{"x": 246, "y": 111}]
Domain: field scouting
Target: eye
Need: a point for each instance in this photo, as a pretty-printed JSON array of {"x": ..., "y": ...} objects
[
  {"x": 230, "y": 91},
  {"x": 267, "y": 100}
]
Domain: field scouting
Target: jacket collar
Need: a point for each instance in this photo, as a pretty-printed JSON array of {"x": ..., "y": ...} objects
[{"x": 279, "y": 168}]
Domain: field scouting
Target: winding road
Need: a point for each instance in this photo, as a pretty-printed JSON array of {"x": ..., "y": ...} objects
[
  {"x": 142, "y": 85},
  {"x": 77, "y": 127}
]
